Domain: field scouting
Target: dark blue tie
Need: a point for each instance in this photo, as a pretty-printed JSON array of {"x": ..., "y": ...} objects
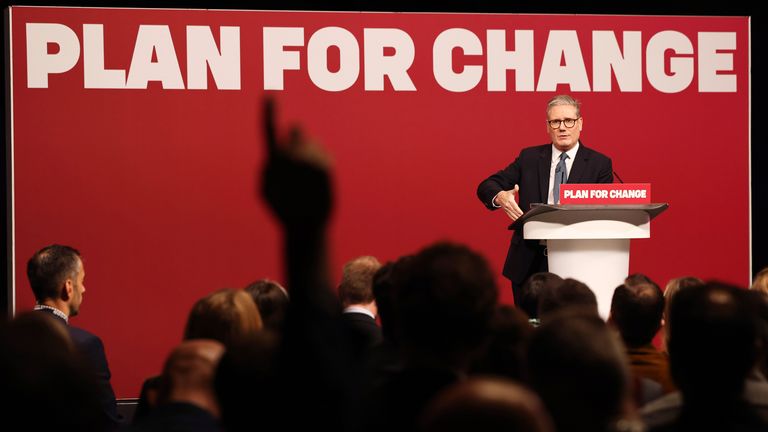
[{"x": 561, "y": 175}]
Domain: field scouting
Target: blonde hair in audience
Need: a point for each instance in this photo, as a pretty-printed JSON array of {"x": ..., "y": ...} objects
[
  {"x": 761, "y": 281},
  {"x": 229, "y": 316}
]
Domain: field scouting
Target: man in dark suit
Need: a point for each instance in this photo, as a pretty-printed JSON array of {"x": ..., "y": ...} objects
[
  {"x": 56, "y": 276},
  {"x": 535, "y": 176},
  {"x": 358, "y": 319}
]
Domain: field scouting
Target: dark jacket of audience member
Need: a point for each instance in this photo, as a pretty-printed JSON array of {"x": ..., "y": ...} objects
[
  {"x": 358, "y": 317},
  {"x": 56, "y": 274}
]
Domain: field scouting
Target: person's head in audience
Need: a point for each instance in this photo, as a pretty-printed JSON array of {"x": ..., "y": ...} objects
[
  {"x": 272, "y": 300},
  {"x": 384, "y": 285},
  {"x": 508, "y": 335},
  {"x": 486, "y": 405},
  {"x": 44, "y": 383},
  {"x": 531, "y": 292},
  {"x": 188, "y": 375},
  {"x": 356, "y": 286},
  {"x": 673, "y": 286},
  {"x": 637, "y": 278},
  {"x": 676, "y": 284},
  {"x": 760, "y": 303},
  {"x": 713, "y": 339},
  {"x": 578, "y": 367},
  {"x": 228, "y": 316},
  {"x": 444, "y": 306},
  {"x": 382, "y": 289},
  {"x": 760, "y": 282},
  {"x": 636, "y": 311},
  {"x": 567, "y": 294},
  {"x": 56, "y": 275}
]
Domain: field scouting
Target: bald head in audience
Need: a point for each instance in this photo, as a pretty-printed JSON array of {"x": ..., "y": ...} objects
[
  {"x": 486, "y": 404},
  {"x": 188, "y": 374}
]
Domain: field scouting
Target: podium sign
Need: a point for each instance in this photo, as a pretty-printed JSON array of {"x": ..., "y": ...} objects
[{"x": 589, "y": 193}]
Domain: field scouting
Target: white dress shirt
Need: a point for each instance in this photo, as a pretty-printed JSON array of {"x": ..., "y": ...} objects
[{"x": 553, "y": 164}]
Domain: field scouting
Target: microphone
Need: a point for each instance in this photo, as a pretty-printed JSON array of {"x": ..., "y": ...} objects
[{"x": 617, "y": 176}]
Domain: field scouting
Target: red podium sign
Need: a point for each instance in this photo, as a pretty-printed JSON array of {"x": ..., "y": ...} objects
[{"x": 610, "y": 193}]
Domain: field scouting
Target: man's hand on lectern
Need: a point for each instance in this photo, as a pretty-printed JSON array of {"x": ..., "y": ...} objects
[{"x": 506, "y": 200}]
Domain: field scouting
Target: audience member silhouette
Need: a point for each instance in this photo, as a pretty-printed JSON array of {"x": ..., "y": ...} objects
[
  {"x": 578, "y": 367},
  {"x": 187, "y": 401},
  {"x": 636, "y": 311},
  {"x": 486, "y": 405},
  {"x": 272, "y": 300},
  {"x": 509, "y": 333},
  {"x": 673, "y": 286},
  {"x": 44, "y": 382},
  {"x": 359, "y": 314},
  {"x": 760, "y": 282},
  {"x": 444, "y": 304},
  {"x": 637, "y": 279},
  {"x": 56, "y": 274},
  {"x": 313, "y": 359},
  {"x": 248, "y": 389},
  {"x": 569, "y": 293},
  {"x": 228, "y": 316},
  {"x": 713, "y": 346},
  {"x": 531, "y": 292},
  {"x": 385, "y": 360}
]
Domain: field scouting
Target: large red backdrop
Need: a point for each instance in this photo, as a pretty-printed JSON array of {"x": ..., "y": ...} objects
[{"x": 157, "y": 186}]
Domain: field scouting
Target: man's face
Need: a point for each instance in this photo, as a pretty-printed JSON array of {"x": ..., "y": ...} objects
[
  {"x": 78, "y": 288},
  {"x": 564, "y": 137}
]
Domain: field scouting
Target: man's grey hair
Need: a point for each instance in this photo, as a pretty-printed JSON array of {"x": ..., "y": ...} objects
[{"x": 564, "y": 100}]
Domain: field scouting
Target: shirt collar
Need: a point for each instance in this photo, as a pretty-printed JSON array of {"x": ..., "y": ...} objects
[
  {"x": 359, "y": 309},
  {"x": 571, "y": 153},
  {"x": 54, "y": 311}
]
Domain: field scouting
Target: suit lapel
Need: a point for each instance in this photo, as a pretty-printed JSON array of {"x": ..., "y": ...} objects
[
  {"x": 580, "y": 164},
  {"x": 545, "y": 160}
]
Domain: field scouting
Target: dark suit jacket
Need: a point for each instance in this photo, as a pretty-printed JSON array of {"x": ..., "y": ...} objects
[
  {"x": 530, "y": 171},
  {"x": 92, "y": 349},
  {"x": 361, "y": 332}
]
